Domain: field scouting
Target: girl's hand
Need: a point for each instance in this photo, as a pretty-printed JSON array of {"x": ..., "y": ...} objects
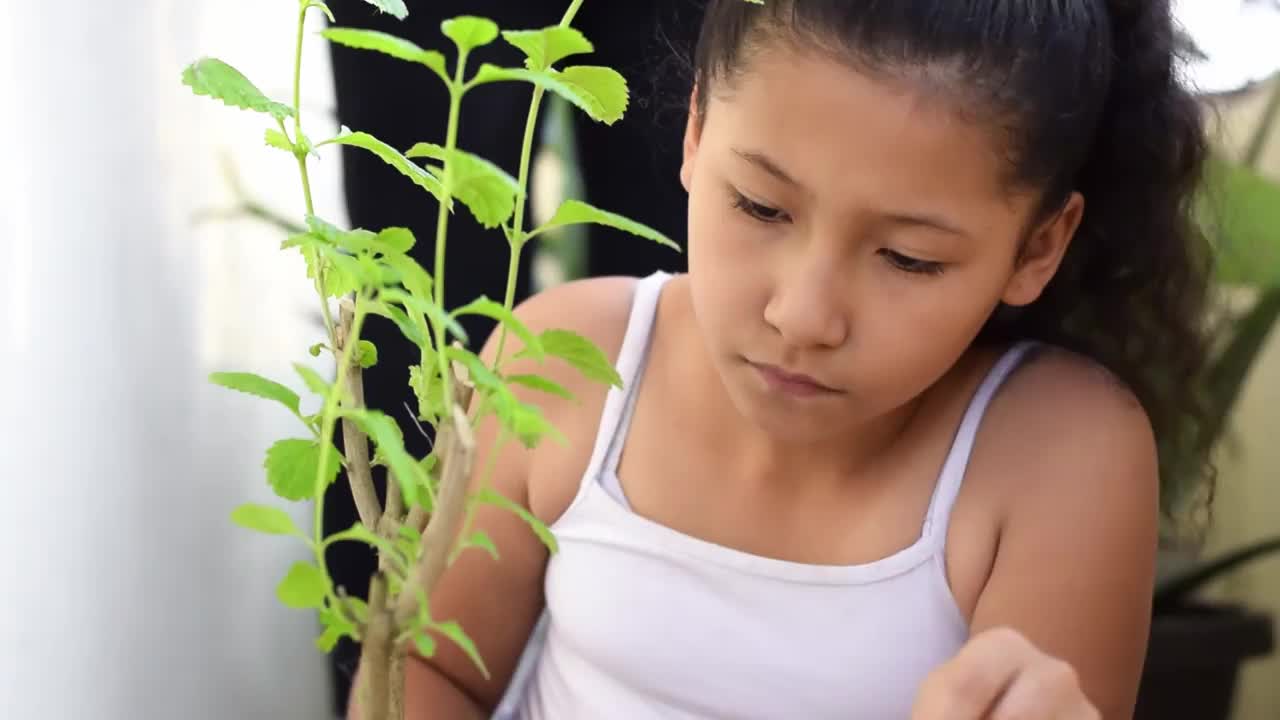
[{"x": 1000, "y": 675}]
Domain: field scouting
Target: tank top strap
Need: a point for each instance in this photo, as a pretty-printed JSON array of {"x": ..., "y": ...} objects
[
  {"x": 950, "y": 479},
  {"x": 619, "y": 403}
]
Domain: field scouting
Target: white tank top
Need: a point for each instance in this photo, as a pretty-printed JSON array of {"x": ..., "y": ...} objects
[{"x": 643, "y": 621}]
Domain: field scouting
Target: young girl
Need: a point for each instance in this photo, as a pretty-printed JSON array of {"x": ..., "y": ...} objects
[{"x": 888, "y": 449}]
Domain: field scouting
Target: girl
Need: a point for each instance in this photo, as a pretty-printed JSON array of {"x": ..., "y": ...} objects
[{"x": 888, "y": 448}]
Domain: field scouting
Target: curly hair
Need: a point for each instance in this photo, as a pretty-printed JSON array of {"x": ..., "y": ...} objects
[{"x": 1086, "y": 97}]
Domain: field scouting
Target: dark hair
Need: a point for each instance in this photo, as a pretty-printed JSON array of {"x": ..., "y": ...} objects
[{"x": 1087, "y": 98}]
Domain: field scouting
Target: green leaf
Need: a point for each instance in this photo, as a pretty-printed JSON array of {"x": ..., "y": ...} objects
[
  {"x": 497, "y": 311},
  {"x": 316, "y": 349},
  {"x": 392, "y": 157},
  {"x": 428, "y": 391},
  {"x": 388, "y": 44},
  {"x": 1241, "y": 210},
  {"x": 395, "y": 8},
  {"x": 606, "y": 87},
  {"x": 398, "y": 316},
  {"x": 258, "y": 386},
  {"x": 425, "y": 644},
  {"x": 526, "y": 422},
  {"x": 480, "y": 539},
  {"x": 386, "y": 434},
  {"x": 292, "y": 465},
  {"x": 338, "y": 282},
  {"x": 279, "y": 140},
  {"x": 537, "y": 382},
  {"x": 486, "y": 189},
  {"x": 469, "y": 32},
  {"x": 398, "y": 239},
  {"x": 493, "y": 497},
  {"x": 454, "y": 632},
  {"x": 220, "y": 81},
  {"x": 359, "y": 533},
  {"x": 311, "y": 379},
  {"x": 598, "y": 91},
  {"x": 415, "y": 279},
  {"x": 265, "y": 519},
  {"x": 580, "y": 353},
  {"x": 427, "y": 307},
  {"x": 336, "y": 627},
  {"x": 304, "y": 587},
  {"x": 544, "y": 48},
  {"x": 367, "y": 354},
  {"x": 576, "y": 212}
]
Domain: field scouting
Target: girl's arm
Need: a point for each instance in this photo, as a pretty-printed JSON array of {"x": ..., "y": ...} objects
[{"x": 1065, "y": 614}]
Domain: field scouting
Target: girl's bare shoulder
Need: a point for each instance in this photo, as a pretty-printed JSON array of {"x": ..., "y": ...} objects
[{"x": 598, "y": 310}]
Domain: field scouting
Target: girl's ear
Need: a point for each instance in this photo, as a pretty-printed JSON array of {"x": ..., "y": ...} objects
[
  {"x": 1042, "y": 253},
  {"x": 692, "y": 134}
]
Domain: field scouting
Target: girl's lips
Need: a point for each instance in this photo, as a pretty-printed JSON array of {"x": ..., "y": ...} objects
[{"x": 791, "y": 383}]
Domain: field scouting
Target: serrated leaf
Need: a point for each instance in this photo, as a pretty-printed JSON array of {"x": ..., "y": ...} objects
[
  {"x": 388, "y": 44},
  {"x": 311, "y": 379},
  {"x": 581, "y": 353},
  {"x": 544, "y": 48},
  {"x": 469, "y": 32},
  {"x": 486, "y": 189},
  {"x": 527, "y": 423},
  {"x": 493, "y": 497},
  {"x": 576, "y": 212},
  {"x": 303, "y": 587},
  {"x": 216, "y": 79},
  {"x": 398, "y": 239},
  {"x": 265, "y": 519},
  {"x": 366, "y": 354},
  {"x": 292, "y": 465},
  {"x": 338, "y": 282},
  {"x": 600, "y": 92},
  {"x": 279, "y": 140},
  {"x": 452, "y": 630},
  {"x": 606, "y": 87},
  {"x": 497, "y": 311},
  {"x": 537, "y": 382},
  {"x": 257, "y": 386},
  {"x": 390, "y": 441},
  {"x": 392, "y": 157},
  {"x": 394, "y": 8}
]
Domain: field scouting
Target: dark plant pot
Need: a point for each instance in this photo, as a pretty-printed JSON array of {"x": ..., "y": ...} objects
[{"x": 1194, "y": 658}]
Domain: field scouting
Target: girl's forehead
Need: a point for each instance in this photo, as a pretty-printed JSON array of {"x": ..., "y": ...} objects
[{"x": 831, "y": 127}]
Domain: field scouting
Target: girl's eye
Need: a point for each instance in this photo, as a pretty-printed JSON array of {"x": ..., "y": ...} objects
[
  {"x": 909, "y": 264},
  {"x": 763, "y": 213}
]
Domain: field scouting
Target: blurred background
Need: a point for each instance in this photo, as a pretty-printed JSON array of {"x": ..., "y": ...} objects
[{"x": 138, "y": 254}]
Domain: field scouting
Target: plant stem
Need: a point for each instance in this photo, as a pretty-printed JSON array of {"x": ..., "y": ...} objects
[
  {"x": 329, "y": 420},
  {"x": 354, "y": 442},
  {"x": 300, "y": 155},
  {"x": 375, "y": 656},
  {"x": 1258, "y": 141},
  {"x": 518, "y": 237},
  {"x": 442, "y": 224}
]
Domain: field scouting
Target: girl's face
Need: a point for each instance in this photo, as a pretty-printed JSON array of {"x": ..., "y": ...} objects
[{"x": 852, "y": 230}]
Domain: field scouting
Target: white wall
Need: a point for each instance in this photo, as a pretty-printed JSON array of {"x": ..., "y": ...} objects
[{"x": 125, "y": 592}]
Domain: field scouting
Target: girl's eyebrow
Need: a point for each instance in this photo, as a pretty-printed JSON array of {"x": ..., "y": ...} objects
[
  {"x": 765, "y": 163},
  {"x": 908, "y": 218}
]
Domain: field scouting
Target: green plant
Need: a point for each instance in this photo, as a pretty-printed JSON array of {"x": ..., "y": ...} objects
[{"x": 425, "y": 521}]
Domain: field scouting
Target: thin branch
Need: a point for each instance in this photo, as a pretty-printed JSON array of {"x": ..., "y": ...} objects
[
  {"x": 458, "y": 445},
  {"x": 355, "y": 443}
]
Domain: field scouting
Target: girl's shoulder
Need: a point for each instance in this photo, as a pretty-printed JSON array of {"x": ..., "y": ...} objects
[{"x": 598, "y": 310}]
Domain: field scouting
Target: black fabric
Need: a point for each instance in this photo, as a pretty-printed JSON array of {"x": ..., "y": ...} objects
[{"x": 630, "y": 168}]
